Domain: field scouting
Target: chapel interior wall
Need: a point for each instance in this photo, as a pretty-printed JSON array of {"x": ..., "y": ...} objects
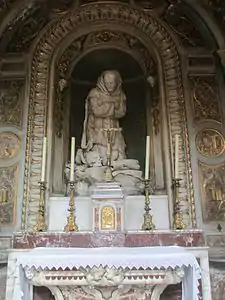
[{"x": 204, "y": 97}]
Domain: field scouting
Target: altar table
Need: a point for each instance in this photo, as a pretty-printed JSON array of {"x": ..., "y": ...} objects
[{"x": 145, "y": 270}]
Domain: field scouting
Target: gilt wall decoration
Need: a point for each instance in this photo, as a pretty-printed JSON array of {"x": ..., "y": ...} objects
[
  {"x": 8, "y": 195},
  {"x": 9, "y": 145},
  {"x": 205, "y": 98},
  {"x": 210, "y": 143},
  {"x": 11, "y": 102},
  {"x": 105, "y": 38},
  {"x": 212, "y": 182}
]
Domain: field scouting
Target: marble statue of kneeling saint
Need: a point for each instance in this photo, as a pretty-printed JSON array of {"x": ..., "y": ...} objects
[{"x": 105, "y": 105}]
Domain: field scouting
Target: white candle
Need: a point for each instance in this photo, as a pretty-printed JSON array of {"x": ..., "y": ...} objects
[
  {"x": 72, "y": 159},
  {"x": 44, "y": 152},
  {"x": 176, "y": 157},
  {"x": 147, "y": 157}
]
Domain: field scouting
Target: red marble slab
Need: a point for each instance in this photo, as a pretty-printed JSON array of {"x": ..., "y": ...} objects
[{"x": 26, "y": 240}]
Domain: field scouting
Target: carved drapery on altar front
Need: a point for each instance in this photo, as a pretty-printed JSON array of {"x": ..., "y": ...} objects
[{"x": 150, "y": 32}]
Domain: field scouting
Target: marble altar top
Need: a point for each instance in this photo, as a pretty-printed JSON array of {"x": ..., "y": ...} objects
[{"x": 183, "y": 238}]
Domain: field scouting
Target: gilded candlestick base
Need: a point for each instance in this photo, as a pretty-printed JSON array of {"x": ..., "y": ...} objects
[
  {"x": 177, "y": 215},
  {"x": 108, "y": 174},
  {"x": 71, "y": 219},
  {"x": 41, "y": 225},
  {"x": 148, "y": 222}
]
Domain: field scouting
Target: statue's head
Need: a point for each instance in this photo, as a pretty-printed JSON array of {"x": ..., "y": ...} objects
[{"x": 112, "y": 80}]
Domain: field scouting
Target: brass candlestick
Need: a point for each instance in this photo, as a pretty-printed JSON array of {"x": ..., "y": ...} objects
[
  {"x": 41, "y": 225},
  {"x": 148, "y": 223},
  {"x": 108, "y": 171},
  {"x": 177, "y": 214},
  {"x": 110, "y": 133},
  {"x": 71, "y": 219}
]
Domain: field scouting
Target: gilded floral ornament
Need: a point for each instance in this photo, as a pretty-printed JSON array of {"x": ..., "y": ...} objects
[
  {"x": 210, "y": 142},
  {"x": 205, "y": 98}
]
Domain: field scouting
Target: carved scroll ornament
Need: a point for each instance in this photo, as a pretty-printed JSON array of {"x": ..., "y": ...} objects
[{"x": 205, "y": 99}]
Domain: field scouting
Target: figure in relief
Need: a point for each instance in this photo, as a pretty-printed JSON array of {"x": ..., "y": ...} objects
[{"x": 105, "y": 105}]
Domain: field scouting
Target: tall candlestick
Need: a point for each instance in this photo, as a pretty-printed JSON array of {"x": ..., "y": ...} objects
[
  {"x": 44, "y": 152},
  {"x": 176, "y": 157},
  {"x": 72, "y": 159},
  {"x": 147, "y": 157}
]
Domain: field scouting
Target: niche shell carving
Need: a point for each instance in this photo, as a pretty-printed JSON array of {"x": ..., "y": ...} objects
[
  {"x": 210, "y": 143},
  {"x": 9, "y": 145}
]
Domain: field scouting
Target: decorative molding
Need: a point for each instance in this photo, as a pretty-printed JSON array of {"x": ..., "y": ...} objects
[
  {"x": 8, "y": 195},
  {"x": 110, "y": 38},
  {"x": 11, "y": 102},
  {"x": 183, "y": 26},
  {"x": 9, "y": 145},
  {"x": 27, "y": 29},
  {"x": 129, "y": 20},
  {"x": 212, "y": 183},
  {"x": 210, "y": 142},
  {"x": 205, "y": 97}
]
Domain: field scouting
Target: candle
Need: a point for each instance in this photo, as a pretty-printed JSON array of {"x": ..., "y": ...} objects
[
  {"x": 176, "y": 157},
  {"x": 44, "y": 152},
  {"x": 147, "y": 157},
  {"x": 72, "y": 159}
]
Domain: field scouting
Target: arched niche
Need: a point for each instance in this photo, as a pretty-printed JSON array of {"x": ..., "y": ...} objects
[
  {"x": 58, "y": 37},
  {"x": 109, "y": 49}
]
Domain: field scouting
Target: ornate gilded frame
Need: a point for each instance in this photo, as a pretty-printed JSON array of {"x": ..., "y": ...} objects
[{"x": 60, "y": 33}]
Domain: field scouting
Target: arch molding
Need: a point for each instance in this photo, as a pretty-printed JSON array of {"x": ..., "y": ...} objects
[{"x": 154, "y": 34}]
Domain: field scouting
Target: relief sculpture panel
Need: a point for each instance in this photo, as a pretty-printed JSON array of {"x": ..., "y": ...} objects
[
  {"x": 212, "y": 182},
  {"x": 210, "y": 143},
  {"x": 8, "y": 194},
  {"x": 11, "y": 102},
  {"x": 9, "y": 145},
  {"x": 205, "y": 97}
]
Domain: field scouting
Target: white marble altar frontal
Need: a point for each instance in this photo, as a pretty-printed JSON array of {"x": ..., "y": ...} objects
[
  {"x": 133, "y": 212},
  {"x": 34, "y": 267}
]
